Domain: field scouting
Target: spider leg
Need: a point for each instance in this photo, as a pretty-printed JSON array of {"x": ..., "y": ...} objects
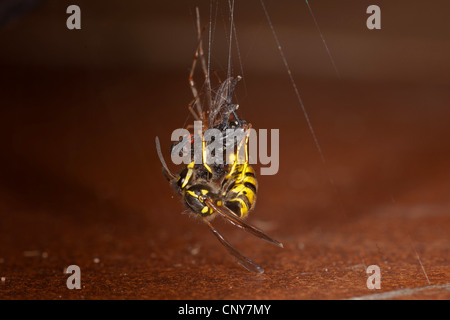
[{"x": 199, "y": 54}]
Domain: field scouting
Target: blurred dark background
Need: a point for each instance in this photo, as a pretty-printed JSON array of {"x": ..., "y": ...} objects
[
  {"x": 80, "y": 180},
  {"x": 411, "y": 45}
]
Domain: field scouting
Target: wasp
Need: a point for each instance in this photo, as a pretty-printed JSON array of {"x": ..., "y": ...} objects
[{"x": 228, "y": 189}]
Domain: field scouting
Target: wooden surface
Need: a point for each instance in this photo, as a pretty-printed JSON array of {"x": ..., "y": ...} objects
[{"x": 81, "y": 183}]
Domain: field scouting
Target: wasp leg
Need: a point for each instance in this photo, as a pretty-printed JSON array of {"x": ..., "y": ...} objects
[
  {"x": 241, "y": 259},
  {"x": 238, "y": 222}
]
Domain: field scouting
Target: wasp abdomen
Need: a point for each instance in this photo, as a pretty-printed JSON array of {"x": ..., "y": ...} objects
[{"x": 240, "y": 194}]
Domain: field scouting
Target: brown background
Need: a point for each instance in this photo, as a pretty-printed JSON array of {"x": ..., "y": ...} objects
[{"x": 80, "y": 181}]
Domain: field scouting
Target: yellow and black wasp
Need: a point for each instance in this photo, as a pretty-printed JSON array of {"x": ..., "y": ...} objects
[{"x": 228, "y": 189}]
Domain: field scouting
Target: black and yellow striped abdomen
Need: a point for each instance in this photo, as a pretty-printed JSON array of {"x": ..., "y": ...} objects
[{"x": 240, "y": 188}]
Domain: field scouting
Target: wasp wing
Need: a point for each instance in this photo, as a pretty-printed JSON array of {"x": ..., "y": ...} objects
[
  {"x": 221, "y": 107},
  {"x": 231, "y": 217},
  {"x": 241, "y": 259}
]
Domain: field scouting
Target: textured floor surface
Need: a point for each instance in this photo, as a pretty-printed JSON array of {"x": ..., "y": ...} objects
[{"x": 81, "y": 185}]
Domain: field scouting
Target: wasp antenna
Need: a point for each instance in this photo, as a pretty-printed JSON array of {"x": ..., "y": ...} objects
[{"x": 161, "y": 158}]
